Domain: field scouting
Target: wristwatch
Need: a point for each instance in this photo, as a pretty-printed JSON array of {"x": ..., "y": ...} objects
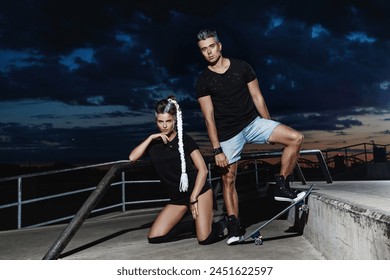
[{"x": 217, "y": 151}]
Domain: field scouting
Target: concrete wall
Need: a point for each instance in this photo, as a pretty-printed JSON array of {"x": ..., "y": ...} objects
[{"x": 346, "y": 232}]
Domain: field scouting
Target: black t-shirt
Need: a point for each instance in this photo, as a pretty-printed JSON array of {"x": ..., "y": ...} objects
[
  {"x": 233, "y": 105},
  {"x": 166, "y": 160}
]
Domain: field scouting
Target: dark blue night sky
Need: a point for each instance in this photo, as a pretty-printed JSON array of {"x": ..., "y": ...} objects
[{"x": 79, "y": 79}]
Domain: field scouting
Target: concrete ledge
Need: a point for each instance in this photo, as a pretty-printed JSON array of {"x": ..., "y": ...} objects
[{"x": 340, "y": 230}]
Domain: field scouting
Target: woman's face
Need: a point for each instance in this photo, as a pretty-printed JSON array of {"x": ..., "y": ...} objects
[{"x": 165, "y": 123}]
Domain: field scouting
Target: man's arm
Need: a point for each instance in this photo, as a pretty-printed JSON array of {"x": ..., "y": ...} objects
[
  {"x": 258, "y": 99},
  {"x": 206, "y": 105}
]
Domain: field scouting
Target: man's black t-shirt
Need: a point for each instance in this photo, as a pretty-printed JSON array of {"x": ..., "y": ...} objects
[
  {"x": 233, "y": 105},
  {"x": 166, "y": 161}
]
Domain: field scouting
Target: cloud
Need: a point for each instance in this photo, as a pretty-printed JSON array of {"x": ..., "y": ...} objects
[
  {"x": 39, "y": 143},
  {"x": 320, "y": 122},
  {"x": 321, "y": 64}
]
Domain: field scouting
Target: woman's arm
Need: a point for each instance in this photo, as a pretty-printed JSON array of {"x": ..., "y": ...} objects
[
  {"x": 200, "y": 180},
  {"x": 201, "y": 177},
  {"x": 138, "y": 151}
]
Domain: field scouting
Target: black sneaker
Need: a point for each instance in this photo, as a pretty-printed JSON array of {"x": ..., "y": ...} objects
[
  {"x": 233, "y": 226},
  {"x": 288, "y": 182},
  {"x": 241, "y": 230},
  {"x": 283, "y": 193}
]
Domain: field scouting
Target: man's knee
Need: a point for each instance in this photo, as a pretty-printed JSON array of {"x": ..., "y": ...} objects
[
  {"x": 299, "y": 138},
  {"x": 229, "y": 179}
]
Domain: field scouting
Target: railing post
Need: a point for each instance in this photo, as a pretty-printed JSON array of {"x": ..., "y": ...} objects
[
  {"x": 123, "y": 192},
  {"x": 365, "y": 153},
  {"x": 257, "y": 176},
  {"x": 20, "y": 202},
  {"x": 324, "y": 167}
]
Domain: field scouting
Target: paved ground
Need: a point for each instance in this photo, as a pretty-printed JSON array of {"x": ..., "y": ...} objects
[{"x": 122, "y": 236}]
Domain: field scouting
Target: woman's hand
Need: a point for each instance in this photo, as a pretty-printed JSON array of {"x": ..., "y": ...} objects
[
  {"x": 194, "y": 208},
  {"x": 164, "y": 137},
  {"x": 138, "y": 151}
]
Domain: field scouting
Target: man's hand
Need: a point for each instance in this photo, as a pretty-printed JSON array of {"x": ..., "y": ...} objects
[{"x": 221, "y": 160}]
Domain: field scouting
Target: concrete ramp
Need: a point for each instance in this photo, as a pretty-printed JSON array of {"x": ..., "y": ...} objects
[{"x": 350, "y": 220}]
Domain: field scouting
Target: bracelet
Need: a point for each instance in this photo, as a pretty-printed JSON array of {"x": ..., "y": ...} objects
[
  {"x": 193, "y": 202},
  {"x": 217, "y": 151}
]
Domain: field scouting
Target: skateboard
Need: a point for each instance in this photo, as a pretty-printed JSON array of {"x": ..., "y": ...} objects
[{"x": 255, "y": 234}]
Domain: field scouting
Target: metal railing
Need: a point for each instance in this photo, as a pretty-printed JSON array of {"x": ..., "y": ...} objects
[
  {"x": 24, "y": 202},
  {"x": 352, "y": 155},
  {"x": 122, "y": 183}
]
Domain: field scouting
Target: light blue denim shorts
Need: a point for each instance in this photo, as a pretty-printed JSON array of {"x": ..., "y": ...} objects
[{"x": 257, "y": 132}]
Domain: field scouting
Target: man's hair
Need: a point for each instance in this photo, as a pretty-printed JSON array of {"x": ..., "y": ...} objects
[{"x": 207, "y": 33}]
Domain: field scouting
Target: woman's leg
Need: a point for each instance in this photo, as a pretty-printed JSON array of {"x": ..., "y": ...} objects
[
  {"x": 208, "y": 232},
  {"x": 205, "y": 217},
  {"x": 165, "y": 221}
]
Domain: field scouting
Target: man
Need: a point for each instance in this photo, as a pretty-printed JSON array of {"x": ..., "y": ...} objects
[{"x": 235, "y": 113}]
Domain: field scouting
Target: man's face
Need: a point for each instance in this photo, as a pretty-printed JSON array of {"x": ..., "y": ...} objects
[{"x": 210, "y": 49}]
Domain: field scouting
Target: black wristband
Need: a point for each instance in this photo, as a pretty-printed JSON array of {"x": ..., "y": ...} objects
[
  {"x": 217, "y": 151},
  {"x": 193, "y": 202}
]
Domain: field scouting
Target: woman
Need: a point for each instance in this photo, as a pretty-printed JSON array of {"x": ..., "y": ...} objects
[{"x": 172, "y": 154}]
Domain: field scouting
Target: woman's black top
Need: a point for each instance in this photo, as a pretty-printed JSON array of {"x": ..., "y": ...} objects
[{"x": 166, "y": 161}]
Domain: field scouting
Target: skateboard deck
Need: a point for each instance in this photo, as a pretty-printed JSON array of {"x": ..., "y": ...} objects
[{"x": 255, "y": 234}]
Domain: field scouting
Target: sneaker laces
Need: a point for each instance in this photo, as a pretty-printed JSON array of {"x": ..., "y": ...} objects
[{"x": 288, "y": 192}]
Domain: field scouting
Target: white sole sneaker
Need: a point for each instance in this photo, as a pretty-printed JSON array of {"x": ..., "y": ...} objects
[
  {"x": 233, "y": 240},
  {"x": 286, "y": 199}
]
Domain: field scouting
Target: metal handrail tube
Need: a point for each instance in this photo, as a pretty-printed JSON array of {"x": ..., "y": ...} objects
[
  {"x": 142, "y": 181},
  {"x": 61, "y": 170},
  {"x": 50, "y": 222},
  {"x": 95, "y": 197},
  {"x": 27, "y": 201},
  {"x": 147, "y": 201}
]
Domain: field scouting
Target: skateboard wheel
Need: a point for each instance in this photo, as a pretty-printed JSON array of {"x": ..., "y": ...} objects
[
  {"x": 304, "y": 207},
  {"x": 259, "y": 240}
]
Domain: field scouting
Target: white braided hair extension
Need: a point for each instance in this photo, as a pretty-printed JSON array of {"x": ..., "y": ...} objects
[{"x": 184, "y": 177}]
